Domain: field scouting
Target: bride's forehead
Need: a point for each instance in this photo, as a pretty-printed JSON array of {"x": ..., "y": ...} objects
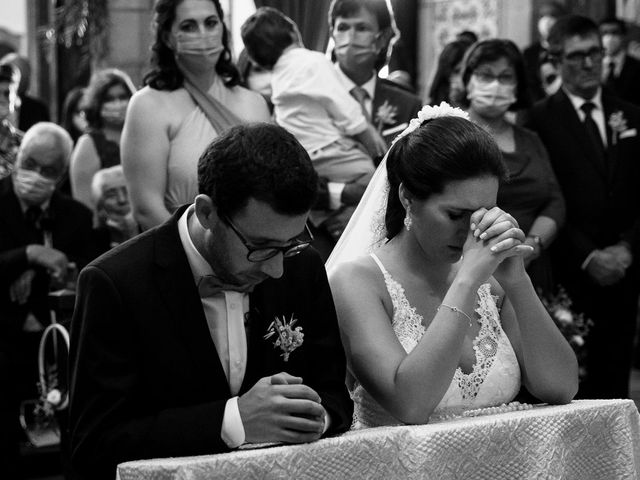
[{"x": 471, "y": 193}]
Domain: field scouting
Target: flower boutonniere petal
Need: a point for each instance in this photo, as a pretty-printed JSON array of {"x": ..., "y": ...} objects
[
  {"x": 618, "y": 124},
  {"x": 288, "y": 338},
  {"x": 386, "y": 115}
]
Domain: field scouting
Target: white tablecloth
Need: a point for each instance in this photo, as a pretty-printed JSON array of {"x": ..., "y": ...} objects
[{"x": 588, "y": 439}]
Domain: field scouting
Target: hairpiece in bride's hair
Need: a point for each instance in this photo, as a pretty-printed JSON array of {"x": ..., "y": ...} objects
[{"x": 430, "y": 112}]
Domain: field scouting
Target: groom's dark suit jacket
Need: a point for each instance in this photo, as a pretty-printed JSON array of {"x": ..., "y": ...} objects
[
  {"x": 603, "y": 207},
  {"x": 146, "y": 380}
]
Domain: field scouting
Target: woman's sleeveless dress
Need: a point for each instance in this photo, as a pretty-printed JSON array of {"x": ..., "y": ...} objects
[
  {"x": 494, "y": 380},
  {"x": 193, "y": 136}
]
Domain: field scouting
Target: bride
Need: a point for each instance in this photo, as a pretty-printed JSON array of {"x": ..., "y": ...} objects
[{"x": 441, "y": 316}]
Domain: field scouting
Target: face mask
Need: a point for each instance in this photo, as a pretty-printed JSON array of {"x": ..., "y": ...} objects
[
  {"x": 197, "y": 51},
  {"x": 114, "y": 112},
  {"x": 351, "y": 53},
  {"x": 611, "y": 43},
  {"x": 490, "y": 99},
  {"x": 31, "y": 187}
]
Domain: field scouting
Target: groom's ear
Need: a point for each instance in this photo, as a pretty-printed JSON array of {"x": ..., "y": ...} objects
[{"x": 206, "y": 211}]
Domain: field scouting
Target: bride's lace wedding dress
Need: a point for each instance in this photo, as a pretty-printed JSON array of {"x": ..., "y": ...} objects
[{"x": 494, "y": 380}]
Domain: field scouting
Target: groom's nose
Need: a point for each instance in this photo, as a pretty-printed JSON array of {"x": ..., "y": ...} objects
[{"x": 274, "y": 267}]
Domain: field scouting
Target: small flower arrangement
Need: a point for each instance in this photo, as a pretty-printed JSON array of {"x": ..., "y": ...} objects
[
  {"x": 573, "y": 326},
  {"x": 288, "y": 337},
  {"x": 386, "y": 115},
  {"x": 50, "y": 400},
  {"x": 618, "y": 124}
]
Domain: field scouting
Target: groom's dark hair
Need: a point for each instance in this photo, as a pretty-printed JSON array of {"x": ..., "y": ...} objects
[
  {"x": 261, "y": 161},
  {"x": 440, "y": 151}
]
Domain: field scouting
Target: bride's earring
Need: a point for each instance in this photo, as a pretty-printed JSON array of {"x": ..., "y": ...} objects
[{"x": 407, "y": 219}]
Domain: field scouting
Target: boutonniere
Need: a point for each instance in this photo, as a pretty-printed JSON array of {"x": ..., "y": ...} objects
[
  {"x": 618, "y": 124},
  {"x": 386, "y": 115},
  {"x": 288, "y": 338}
]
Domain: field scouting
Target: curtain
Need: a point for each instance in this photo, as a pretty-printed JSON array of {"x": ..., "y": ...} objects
[{"x": 309, "y": 15}]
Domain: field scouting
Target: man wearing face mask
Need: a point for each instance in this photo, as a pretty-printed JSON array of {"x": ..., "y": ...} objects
[
  {"x": 41, "y": 232},
  {"x": 620, "y": 72},
  {"x": 10, "y": 137},
  {"x": 362, "y": 31}
]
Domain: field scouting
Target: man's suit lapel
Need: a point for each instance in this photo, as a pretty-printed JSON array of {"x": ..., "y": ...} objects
[
  {"x": 174, "y": 279},
  {"x": 568, "y": 117}
]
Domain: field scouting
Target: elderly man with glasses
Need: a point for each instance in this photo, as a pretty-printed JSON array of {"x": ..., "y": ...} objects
[
  {"x": 41, "y": 233},
  {"x": 593, "y": 143},
  {"x": 216, "y": 328}
]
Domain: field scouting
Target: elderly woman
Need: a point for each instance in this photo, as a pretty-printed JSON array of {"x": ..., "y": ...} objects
[
  {"x": 192, "y": 95},
  {"x": 494, "y": 81},
  {"x": 105, "y": 104},
  {"x": 114, "y": 219}
]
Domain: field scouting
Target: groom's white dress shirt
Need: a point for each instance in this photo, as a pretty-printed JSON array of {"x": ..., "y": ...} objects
[{"x": 225, "y": 313}]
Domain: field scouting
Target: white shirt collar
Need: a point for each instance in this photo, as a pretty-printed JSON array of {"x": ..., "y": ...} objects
[
  {"x": 369, "y": 86},
  {"x": 199, "y": 266},
  {"x": 577, "y": 101}
]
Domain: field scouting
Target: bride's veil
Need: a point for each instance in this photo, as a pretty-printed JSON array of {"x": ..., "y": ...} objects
[{"x": 366, "y": 229}]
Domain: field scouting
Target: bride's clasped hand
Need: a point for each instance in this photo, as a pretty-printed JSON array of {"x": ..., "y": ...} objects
[{"x": 494, "y": 246}]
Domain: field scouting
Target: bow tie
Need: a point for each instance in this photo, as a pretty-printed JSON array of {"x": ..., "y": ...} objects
[{"x": 210, "y": 285}]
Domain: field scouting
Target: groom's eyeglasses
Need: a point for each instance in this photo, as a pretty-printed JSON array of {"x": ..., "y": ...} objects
[{"x": 261, "y": 253}]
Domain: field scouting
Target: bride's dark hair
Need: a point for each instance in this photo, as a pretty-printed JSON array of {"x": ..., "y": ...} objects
[{"x": 439, "y": 151}]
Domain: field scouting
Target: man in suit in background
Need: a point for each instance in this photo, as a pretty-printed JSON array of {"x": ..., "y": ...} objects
[
  {"x": 29, "y": 110},
  {"x": 168, "y": 348},
  {"x": 362, "y": 31},
  {"x": 540, "y": 77},
  {"x": 620, "y": 72},
  {"x": 41, "y": 231},
  {"x": 593, "y": 141}
]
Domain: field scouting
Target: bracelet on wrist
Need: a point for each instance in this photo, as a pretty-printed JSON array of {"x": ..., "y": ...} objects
[{"x": 456, "y": 310}]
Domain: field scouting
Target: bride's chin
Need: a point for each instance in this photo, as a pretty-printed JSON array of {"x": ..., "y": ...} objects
[{"x": 454, "y": 253}]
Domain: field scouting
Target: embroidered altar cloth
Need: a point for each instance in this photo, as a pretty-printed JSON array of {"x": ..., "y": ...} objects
[{"x": 588, "y": 439}]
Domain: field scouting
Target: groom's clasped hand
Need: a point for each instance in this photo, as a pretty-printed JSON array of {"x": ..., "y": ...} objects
[{"x": 280, "y": 408}]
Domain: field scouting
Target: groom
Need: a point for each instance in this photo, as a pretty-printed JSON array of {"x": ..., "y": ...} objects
[{"x": 168, "y": 349}]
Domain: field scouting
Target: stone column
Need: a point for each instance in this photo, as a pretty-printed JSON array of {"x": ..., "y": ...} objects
[{"x": 129, "y": 37}]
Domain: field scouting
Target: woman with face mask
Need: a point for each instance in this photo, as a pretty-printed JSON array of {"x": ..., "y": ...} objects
[
  {"x": 104, "y": 104},
  {"x": 192, "y": 95},
  {"x": 495, "y": 85}
]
